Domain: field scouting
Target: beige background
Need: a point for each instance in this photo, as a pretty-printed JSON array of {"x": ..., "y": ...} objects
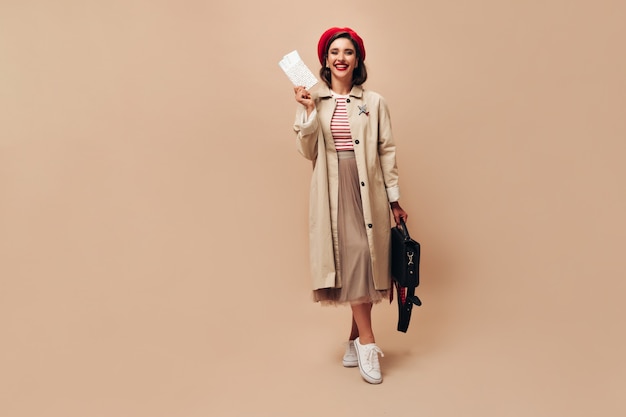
[{"x": 153, "y": 209}]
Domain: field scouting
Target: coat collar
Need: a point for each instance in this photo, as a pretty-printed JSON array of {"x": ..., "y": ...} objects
[{"x": 323, "y": 91}]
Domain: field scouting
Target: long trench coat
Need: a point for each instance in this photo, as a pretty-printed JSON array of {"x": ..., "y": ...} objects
[{"x": 375, "y": 155}]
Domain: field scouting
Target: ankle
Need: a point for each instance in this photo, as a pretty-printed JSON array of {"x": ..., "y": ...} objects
[{"x": 366, "y": 340}]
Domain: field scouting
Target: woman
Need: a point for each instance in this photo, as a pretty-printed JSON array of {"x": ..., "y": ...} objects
[{"x": 346, "y": 131}]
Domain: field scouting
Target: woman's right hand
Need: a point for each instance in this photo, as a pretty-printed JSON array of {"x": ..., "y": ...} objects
[{"x": 304, "y": 97}]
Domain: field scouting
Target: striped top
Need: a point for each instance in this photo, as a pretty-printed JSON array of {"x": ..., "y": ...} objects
[{"x": 340, "y": 127}]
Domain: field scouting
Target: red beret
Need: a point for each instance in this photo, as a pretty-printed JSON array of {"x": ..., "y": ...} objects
[{"x": 322, "y": 45}]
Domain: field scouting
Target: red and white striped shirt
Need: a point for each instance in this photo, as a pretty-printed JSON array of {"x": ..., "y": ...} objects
[{"x": 340, "y": 127}]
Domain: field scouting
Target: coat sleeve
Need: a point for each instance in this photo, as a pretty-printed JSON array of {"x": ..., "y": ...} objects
[
  {"x": 387, "y": 152},
  {"x": 306, "y": 129}
]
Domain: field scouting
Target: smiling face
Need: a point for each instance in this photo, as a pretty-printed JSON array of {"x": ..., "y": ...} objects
[{"x": 342, "y": 59}]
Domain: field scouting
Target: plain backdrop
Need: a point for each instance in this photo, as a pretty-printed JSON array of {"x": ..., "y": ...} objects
[{"x": 153, "y": 210}]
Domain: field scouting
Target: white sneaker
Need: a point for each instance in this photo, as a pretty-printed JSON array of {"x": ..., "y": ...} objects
[
  {"x": 349, "y": 358},
  {"x": 367, "y": 356}
]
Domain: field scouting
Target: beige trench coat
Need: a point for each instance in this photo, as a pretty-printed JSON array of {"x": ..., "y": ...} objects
[{"x": 374, "y": 150}]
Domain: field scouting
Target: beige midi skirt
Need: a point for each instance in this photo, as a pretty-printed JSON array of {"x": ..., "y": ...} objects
[{"x": 354, "y": 263}]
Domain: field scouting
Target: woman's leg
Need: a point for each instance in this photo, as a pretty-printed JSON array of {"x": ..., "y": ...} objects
[
  {"x": 362, "y": 323},
  {"x": 354, "y": 331}
]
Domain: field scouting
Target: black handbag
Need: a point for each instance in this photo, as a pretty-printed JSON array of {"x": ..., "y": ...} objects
[{"x": 405, "y": 262}]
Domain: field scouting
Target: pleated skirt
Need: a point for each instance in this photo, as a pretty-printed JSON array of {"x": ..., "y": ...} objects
[{"x": 354, "y": 263}]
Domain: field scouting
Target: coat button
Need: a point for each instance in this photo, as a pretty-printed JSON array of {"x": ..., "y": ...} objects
[
  {"x": 356, "y": 141},
  {"x": 370, "y": 225},
  {"x": 347, "y": 100},
  {"x": 362, "y": 184}
]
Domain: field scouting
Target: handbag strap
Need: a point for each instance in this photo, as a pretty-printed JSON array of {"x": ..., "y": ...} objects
[{"x": 405, "y": 230}]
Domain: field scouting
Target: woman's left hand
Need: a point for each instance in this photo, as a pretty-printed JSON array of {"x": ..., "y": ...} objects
[{"x": 398, "y": 213}]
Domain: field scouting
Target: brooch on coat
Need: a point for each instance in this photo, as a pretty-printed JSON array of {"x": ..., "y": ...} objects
[{"x": 363, "y": 109}]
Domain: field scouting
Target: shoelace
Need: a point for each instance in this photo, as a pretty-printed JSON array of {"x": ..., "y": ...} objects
[{"x": 371, "y": 355}]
